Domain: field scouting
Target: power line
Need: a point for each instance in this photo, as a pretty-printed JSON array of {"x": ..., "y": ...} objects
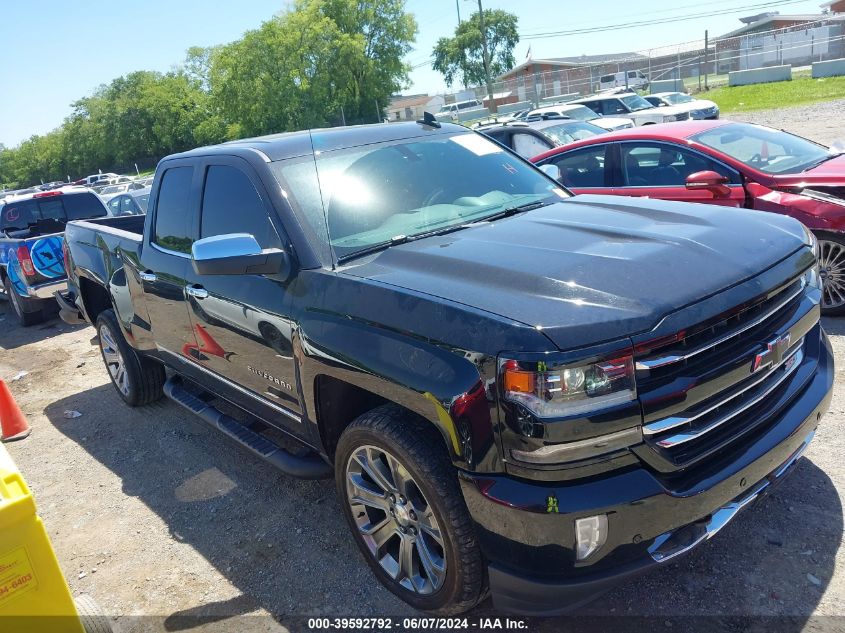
[{"x": 680, "y": 18}]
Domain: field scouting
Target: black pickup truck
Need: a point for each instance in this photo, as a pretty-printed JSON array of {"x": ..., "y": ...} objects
[{"x": 518, "y": 391}]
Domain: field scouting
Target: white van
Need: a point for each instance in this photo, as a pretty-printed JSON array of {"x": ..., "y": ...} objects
[
  {"x": 636, "y": 79},
  {"x": 459, "y": 106}
]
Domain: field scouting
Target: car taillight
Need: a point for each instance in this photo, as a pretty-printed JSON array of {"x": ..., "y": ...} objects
[{"x": 25, "y": 261}]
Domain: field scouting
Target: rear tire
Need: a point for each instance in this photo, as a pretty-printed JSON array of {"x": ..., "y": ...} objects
[
  {"x": 26, "y": 319},
  {"x": 410, "y": 510},
  {"x": 832, "y": 267},
  {"x": 138, "y": 380}
]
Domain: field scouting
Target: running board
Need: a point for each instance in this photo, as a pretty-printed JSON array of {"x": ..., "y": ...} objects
[{"x": 309, "y": 466}]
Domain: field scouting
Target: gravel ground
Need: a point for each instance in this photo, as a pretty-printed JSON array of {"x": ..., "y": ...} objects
[
  {"x": 820, "y": 122},
  {"x": 169, "y": 526}
]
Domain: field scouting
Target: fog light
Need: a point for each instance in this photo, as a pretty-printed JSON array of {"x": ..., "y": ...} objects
[{"x": 590, "y": 534}]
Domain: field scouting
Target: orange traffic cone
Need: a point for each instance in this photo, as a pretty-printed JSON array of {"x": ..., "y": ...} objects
[
  {"x": 207, "y": 343},
  {"x": 12, "y": 421}
]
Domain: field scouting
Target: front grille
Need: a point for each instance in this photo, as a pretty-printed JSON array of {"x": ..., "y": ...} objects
[{"x": 723, "y": 379}]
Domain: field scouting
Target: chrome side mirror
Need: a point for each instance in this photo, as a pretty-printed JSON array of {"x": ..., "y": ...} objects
[{"x": 237, "y": 254}]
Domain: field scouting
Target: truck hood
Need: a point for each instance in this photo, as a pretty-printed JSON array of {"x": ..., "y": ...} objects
[{"x": 591, "y": 268}]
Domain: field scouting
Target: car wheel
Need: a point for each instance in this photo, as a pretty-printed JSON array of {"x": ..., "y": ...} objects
[
  {"x": 138, "y": 380},
  {"x": 832, "y": 269},
  {"x": 400, "y": 495},
  {"x": 26, "y": 319}
]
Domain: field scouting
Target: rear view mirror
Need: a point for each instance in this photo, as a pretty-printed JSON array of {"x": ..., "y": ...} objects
[
  {"x": 709, "y": 181},
  {"x": 237, "y": 254},
  {"x": 552, "y": 171}
]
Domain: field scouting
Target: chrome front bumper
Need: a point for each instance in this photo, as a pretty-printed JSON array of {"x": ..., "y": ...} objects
[{"x": 671, "y": 544}]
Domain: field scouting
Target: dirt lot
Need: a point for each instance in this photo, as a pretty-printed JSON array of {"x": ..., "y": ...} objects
[{"x": 164, "y": 521}]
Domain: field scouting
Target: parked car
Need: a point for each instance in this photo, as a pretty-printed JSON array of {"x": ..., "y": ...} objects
[
  {"x": 133, "y": 202},
  {"x": 635, "y": 79},
  {"x": 538, "y": 136},
  {"x": 111, "y": 190},
  {"x": 454, "y": 109},
  {"x": 697, "y": 108},
  {"x": 583, "y": 113},
  {"x": 517, "y": 391},
  {"x": 31, "y": 265},
  {"x": 632, "y": 106},
  {"x": 727, "y": 164}
]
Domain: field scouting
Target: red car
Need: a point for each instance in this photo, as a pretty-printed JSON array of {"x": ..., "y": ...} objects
[{"x": 725, "y": 163}]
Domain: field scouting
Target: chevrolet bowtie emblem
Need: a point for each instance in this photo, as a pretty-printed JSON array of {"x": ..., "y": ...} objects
[{"x": 772, "y": 357}]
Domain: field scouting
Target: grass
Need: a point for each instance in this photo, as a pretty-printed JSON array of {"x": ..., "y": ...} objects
[{"x": 802, "y": 90}]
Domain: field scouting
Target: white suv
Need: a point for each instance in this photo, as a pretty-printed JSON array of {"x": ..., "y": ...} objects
[
  {"x": 634, "y": 107},
  {"x": 583, "y": 113}
]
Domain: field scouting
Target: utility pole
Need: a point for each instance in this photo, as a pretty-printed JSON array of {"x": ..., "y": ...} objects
[
  {"x": 458, "y": 5},
  {"x": 486, "y": 58},
  {"x": 706, "y": 49}
]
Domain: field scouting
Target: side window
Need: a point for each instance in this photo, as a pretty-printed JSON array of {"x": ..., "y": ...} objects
[
  {"x": 528, "y": 145},
  {"x": 659, "y": 165},
  {"x": 173, "y": 212},
  {"x": 595, "y": 106},
  {"x": 128, "y": 206},
  {"x": 582, "y": 168},
  {"x": 230, "y": 204},
  {"x": 114, "y": 205},
  {"x": 613, "y": 106}
]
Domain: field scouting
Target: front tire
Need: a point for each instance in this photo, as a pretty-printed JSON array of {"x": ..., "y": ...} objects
[
  {"x": 138, "y": 380},
  {"x": 401, "y": 498},
  {"x": 832, "y": 267}
]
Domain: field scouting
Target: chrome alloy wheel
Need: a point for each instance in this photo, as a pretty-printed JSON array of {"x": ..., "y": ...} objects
[
  {"x": 394, "y": 520},
  {"x": 832, "y": 273},
  {"x": 114, "y": 360}
]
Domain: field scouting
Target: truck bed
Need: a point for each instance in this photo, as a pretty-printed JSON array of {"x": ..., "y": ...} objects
[{"x": 126, "y": 226}]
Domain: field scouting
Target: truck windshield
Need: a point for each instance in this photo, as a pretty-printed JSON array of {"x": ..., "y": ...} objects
[
  {"x": 384, "y": 192},
  {"x": 636, "y": 103}
]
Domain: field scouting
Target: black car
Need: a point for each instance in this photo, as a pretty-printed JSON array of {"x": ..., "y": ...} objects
[{"x": 515, "y": 389}]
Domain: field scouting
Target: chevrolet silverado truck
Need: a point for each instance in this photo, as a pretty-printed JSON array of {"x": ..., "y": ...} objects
[
  {"x": 31, "y": 265},
  {"x": 517, "y": 391}
]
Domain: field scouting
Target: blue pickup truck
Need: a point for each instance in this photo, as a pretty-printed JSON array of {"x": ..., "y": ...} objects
[{"x": 31, "y": 236}]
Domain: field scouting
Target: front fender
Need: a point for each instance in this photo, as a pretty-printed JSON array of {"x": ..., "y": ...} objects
[{"x": 445, "y": 386}]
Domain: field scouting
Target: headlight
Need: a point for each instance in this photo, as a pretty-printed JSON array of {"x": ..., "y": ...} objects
[
  {"x": 552, "y": 390},
  {"x": 812, "y": 242},
  {"x": 670, "y": 117}
]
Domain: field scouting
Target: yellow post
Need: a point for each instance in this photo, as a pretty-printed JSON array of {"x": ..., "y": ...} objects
[{"x": 34, "y": 596}]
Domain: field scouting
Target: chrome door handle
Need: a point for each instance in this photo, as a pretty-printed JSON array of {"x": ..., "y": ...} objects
[
  {"x": 197, "y": 292},
  {"x": 150, "y": 277}
]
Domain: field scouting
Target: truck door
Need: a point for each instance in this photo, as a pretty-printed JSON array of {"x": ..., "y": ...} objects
[
  {"x": 165, "y": 258},
  {"x": 242, "y": 321}
]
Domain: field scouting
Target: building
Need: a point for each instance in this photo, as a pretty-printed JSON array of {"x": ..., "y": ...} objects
[
  {"x": 834, "y": 6},
  {"x": 412, "y": 107},
  {"x": 772, "y": 39},
  {"x": 536, "y": 79}
]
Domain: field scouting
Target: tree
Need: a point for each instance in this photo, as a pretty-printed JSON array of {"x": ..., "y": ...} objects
[
  {"x": 319, "y": 63},
  {"x": 461, "y": 56}
]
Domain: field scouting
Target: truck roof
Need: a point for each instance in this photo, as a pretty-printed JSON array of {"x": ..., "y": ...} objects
[{"x": 292, "y": 144}]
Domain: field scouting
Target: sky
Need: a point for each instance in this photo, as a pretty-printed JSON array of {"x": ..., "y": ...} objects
[{"x": 51, "y": 56}]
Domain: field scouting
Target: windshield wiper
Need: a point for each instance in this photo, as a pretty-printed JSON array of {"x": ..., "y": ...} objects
[
  {"x": 393, "y": 241},
  {"x": 823, "y": 160},
  {"x": 506, "y": 213}
]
